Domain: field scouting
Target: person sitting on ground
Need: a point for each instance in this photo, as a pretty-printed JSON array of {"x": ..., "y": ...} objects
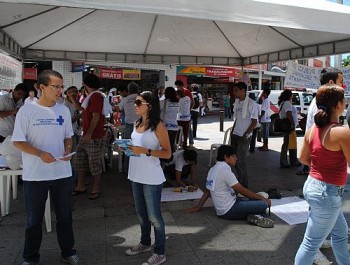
[
  {"x": 181, "y": 167},
  {"x": 222, "y": 185}
]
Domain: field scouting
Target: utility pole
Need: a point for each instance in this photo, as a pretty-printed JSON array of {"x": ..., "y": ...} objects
[{"x": 338, "y": 57}]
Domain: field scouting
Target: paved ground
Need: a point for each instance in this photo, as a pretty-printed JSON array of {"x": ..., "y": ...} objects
[{"x": 105, "y": 228}]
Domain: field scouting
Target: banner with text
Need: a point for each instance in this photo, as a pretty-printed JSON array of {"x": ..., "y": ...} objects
[
  {"x": 10, "y": 72},
  {"x": 301, "y": 76},
  {"x": 109, "y": 73}
]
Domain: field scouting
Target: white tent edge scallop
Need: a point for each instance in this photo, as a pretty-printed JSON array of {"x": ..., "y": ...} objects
[{"x": 280, "y": 16}]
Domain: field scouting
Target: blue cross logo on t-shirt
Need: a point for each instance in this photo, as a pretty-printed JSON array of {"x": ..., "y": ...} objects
[{"x": 60, "y": 120}]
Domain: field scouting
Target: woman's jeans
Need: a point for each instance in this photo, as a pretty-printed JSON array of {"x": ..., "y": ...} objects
[
  {"x": 147, "y": 203},
  {"x": 325, "y": 216},
  {"x": 35, "y": 195},
  {"x": 243, "y": 207}
]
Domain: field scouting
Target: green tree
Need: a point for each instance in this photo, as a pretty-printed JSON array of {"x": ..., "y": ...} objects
[{"x": 346, "y": 62}]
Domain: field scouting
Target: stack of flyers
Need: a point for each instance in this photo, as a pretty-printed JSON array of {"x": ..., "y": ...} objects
[{"x": 123, "y": 144}]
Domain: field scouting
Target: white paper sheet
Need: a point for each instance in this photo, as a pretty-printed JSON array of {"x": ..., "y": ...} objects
[
  {"x": 169, "y": 195},
  {"x": 69, "y": 155},
  {"x": 292, "y": 210}
]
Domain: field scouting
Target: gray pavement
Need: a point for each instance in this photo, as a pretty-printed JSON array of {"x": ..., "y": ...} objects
[{"x": 106, "y": 227}]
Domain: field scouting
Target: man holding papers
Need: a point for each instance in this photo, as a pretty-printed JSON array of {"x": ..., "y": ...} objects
[{"x": 43, "y": 132}]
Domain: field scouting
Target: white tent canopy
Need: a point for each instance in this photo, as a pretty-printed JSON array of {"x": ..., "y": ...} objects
[{"x": 226, "y": 32}]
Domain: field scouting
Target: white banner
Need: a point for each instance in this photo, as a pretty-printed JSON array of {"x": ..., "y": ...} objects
[
  {"x": 301, "y": 76},
  {"x": 10, "y": 72}
]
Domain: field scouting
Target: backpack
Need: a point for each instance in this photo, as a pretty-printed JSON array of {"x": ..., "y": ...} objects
[{"x": 196, "y": 101}]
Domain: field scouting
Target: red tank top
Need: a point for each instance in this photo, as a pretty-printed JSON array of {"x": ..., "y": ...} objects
[{"x": 326, "y": 165}]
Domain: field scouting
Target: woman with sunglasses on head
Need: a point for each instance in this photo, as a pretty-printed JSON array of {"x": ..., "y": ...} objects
[
  {"x": 150, "y": 142},
  {"x": 326, "y": 149}
]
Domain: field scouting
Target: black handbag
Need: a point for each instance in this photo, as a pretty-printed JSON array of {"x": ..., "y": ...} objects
[{"x": 282, "y": 125}]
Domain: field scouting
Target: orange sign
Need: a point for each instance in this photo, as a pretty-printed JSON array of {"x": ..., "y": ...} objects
[{"x": 131, "y": 74}]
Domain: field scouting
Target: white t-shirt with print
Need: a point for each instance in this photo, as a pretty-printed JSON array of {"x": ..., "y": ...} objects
[
  {"x": 44, "y": 128},
  {"x": 287, "y": 106},
  {"x": 184, "y": 109},
  {"x": 265, "y": 106},
  {"x": 170, "y": 115},
  {"x": 219, "y": 182},
  {"x": 242, "y": 124},
  {"x": 127, "y": 104}
]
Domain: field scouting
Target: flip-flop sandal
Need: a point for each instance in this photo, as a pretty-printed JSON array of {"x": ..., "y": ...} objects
[
  {"x": 94, "y": 195},
  {"x": 78, "y": 192}
]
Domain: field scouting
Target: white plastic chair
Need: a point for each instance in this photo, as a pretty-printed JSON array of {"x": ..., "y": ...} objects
[
  {"x": 214, "y": 147},
  {"x": 9, "y": 178}
]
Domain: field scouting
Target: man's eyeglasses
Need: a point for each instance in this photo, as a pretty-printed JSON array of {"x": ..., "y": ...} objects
[
  {"x": 55, "y": 86},
  {"x": 139, "y": 103}
]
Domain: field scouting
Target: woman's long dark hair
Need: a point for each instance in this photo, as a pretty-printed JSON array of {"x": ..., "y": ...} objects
[
  {"x": 327, "y": 99},
  {"x": 153, "y": 110},
  {"x": 170, "y": 93},
  {"x": 285, "y": 96}
]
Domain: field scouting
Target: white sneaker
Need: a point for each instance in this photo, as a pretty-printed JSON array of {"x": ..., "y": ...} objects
[
  {"x": 321, "y": 259},
  {"x": 326, "y": 244},
  {"x": 137, "y": 249},
  {"x": 155, "y": 259}
]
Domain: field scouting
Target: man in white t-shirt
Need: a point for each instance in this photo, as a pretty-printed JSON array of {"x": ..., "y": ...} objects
[
  {"x": 223, "y": 186},
  {"x": 198, "y": 100},
  {"x": 9, "y": 106},
  {"x": 245, "y": 115},
  {"x": 31, "y": 98},
  {"x": 43, "y": 132},
  {"x": 127, "y": 104},
  {"x": 265, "y": 119}
]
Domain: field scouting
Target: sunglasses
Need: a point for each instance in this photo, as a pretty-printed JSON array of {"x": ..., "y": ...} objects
[{"x": 139, "y": 103}]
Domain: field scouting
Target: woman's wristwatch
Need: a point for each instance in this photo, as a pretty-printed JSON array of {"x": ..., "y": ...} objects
[{"x": 148, "y": 152}]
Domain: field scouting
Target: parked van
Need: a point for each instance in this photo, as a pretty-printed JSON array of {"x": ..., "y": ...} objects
[{"x": 301, "y": 100}]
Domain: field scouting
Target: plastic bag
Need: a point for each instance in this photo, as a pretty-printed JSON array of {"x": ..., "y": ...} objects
[{"x": 12, "y": 155}]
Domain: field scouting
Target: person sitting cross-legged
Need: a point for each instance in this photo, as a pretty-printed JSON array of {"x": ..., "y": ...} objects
[{"x": 222, "y": 186}]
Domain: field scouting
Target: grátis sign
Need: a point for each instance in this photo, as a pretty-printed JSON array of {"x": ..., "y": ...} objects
[{"x": 109, "y": 73}]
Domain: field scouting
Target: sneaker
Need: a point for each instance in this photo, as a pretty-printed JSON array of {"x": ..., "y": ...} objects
[
  {"x": 71, "y": 260},
  {"x": 260, "y": 221},
  {"x": 155, "y": 259},
  {"x": 326, "y": 244},
  {"x": 321, "y": 259},
  {"x": 137, "y": 249},
  {"x": 29, "y": 263}
]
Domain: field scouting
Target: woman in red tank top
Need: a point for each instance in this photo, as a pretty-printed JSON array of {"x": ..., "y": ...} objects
[{"x": 326, "y": 149}]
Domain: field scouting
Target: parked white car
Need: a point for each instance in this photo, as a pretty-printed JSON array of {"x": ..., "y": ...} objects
[{"x": 301, "y": 100}]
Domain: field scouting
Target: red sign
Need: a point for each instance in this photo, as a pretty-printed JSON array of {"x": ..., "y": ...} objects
[
  {"x": 30, "y": 73},
  {"x": 110, "y": 73},
  {"x": 222, "y": 72}
]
